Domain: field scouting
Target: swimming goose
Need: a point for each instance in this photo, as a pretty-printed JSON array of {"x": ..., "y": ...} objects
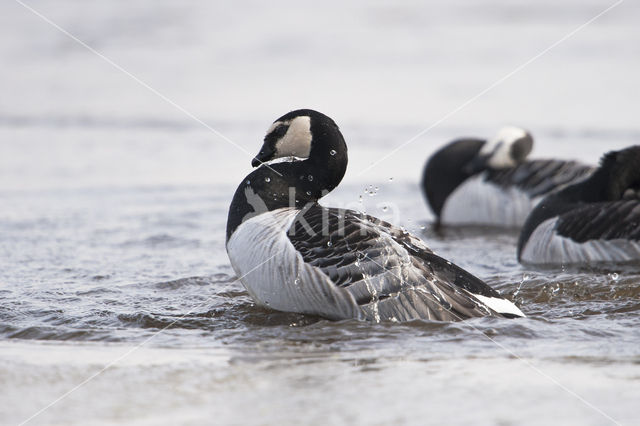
[
  {"x": 478, "y": 182},
  {"x": 596, "y": 220},
  {"x": 295, "y": 255}
]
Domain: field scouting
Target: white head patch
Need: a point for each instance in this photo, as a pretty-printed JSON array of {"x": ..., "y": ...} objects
[
  {"x": 500, "y": 148},
  {"x": 296, "y": 142}
]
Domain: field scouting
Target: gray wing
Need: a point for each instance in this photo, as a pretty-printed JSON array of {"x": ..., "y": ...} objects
[
  {"x": 541, "y": 177},
  {"x": 390, "y": 274},
  {"x": 601, "y": 221}
]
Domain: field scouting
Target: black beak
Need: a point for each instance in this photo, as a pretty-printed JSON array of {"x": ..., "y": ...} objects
[{"x": 266, "y": 153}]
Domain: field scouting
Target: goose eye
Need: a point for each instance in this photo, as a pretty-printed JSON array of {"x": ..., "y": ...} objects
[{"x": 277, "y": 133}]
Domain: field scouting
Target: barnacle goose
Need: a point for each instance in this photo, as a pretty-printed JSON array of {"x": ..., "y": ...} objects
[
  {"x": 478, "y": 182},
  {"x": 596, "y": 220},
  {"x": 295, "y": 255}
]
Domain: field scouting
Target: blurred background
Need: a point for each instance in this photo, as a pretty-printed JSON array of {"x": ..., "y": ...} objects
[
  {"x": 114, "y": 196},
  {"x": 383, "y": 70}
]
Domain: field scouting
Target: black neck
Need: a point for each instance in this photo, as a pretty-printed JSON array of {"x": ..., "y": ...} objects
[
  {"x": 618, "y": 171},
  {"x": 446, "y": 170},
  {"x": 291, "y": 183}
]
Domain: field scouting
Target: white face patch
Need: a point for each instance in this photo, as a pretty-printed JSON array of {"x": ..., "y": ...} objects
[
  {"x": 499, "y": 148},
  {"x": 297, "y": 141}
]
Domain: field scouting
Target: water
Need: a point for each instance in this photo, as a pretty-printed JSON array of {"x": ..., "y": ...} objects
[{"x": 113, "y": 273}]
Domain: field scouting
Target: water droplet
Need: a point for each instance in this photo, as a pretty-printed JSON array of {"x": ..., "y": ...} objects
[
  {"x": 308, "y": 192},
  {"x": 390, "y": 179},
  {"x": 248, "y": 182},
  {"x": 310, "y": 177},
  {"x": 360, "y": 198},
  {"x": 385, "y": 208},
  {"x": 296, "y": 281},
  {"x": 332, "y": 152},
  {"x": 267, "y": 179},
  {"x": 329, "y": 244},
  {"x": 615, "y": 276},
  {"x": 422, "y": 227}
]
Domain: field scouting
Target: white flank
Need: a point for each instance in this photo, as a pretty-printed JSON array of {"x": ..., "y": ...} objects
[
  {"x": 545, "y": 246},
  {"x": 502, "y": 306},
  {"x": 275, "y": 275},
  {"x": 478, "y": 202}
]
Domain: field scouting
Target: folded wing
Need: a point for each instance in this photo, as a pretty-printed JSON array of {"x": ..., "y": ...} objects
[{"x": 390, "y": 274}]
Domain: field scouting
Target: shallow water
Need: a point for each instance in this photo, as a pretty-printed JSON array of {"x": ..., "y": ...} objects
[{"x": 113, "y": 273}]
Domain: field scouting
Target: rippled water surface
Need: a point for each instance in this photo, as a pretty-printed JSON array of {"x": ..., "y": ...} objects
[{"x": 118, "y": 303}]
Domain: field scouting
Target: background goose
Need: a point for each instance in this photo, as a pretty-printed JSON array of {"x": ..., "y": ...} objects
[
  {"x": 596, "y": 220},
  {"x": 295, "y": 255},
  {"x": 474, "y": 181}
]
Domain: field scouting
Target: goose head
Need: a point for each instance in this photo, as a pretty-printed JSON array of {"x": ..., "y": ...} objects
[
  {"x": 308, "y": 137},
  {"x": 508, "y": 148}
]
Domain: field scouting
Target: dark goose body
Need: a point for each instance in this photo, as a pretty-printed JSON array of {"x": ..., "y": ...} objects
[
  {"x": 595, "y": 220},
  {"x": 294, "y": 255},
  {"x": 479, "y": 182}
]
